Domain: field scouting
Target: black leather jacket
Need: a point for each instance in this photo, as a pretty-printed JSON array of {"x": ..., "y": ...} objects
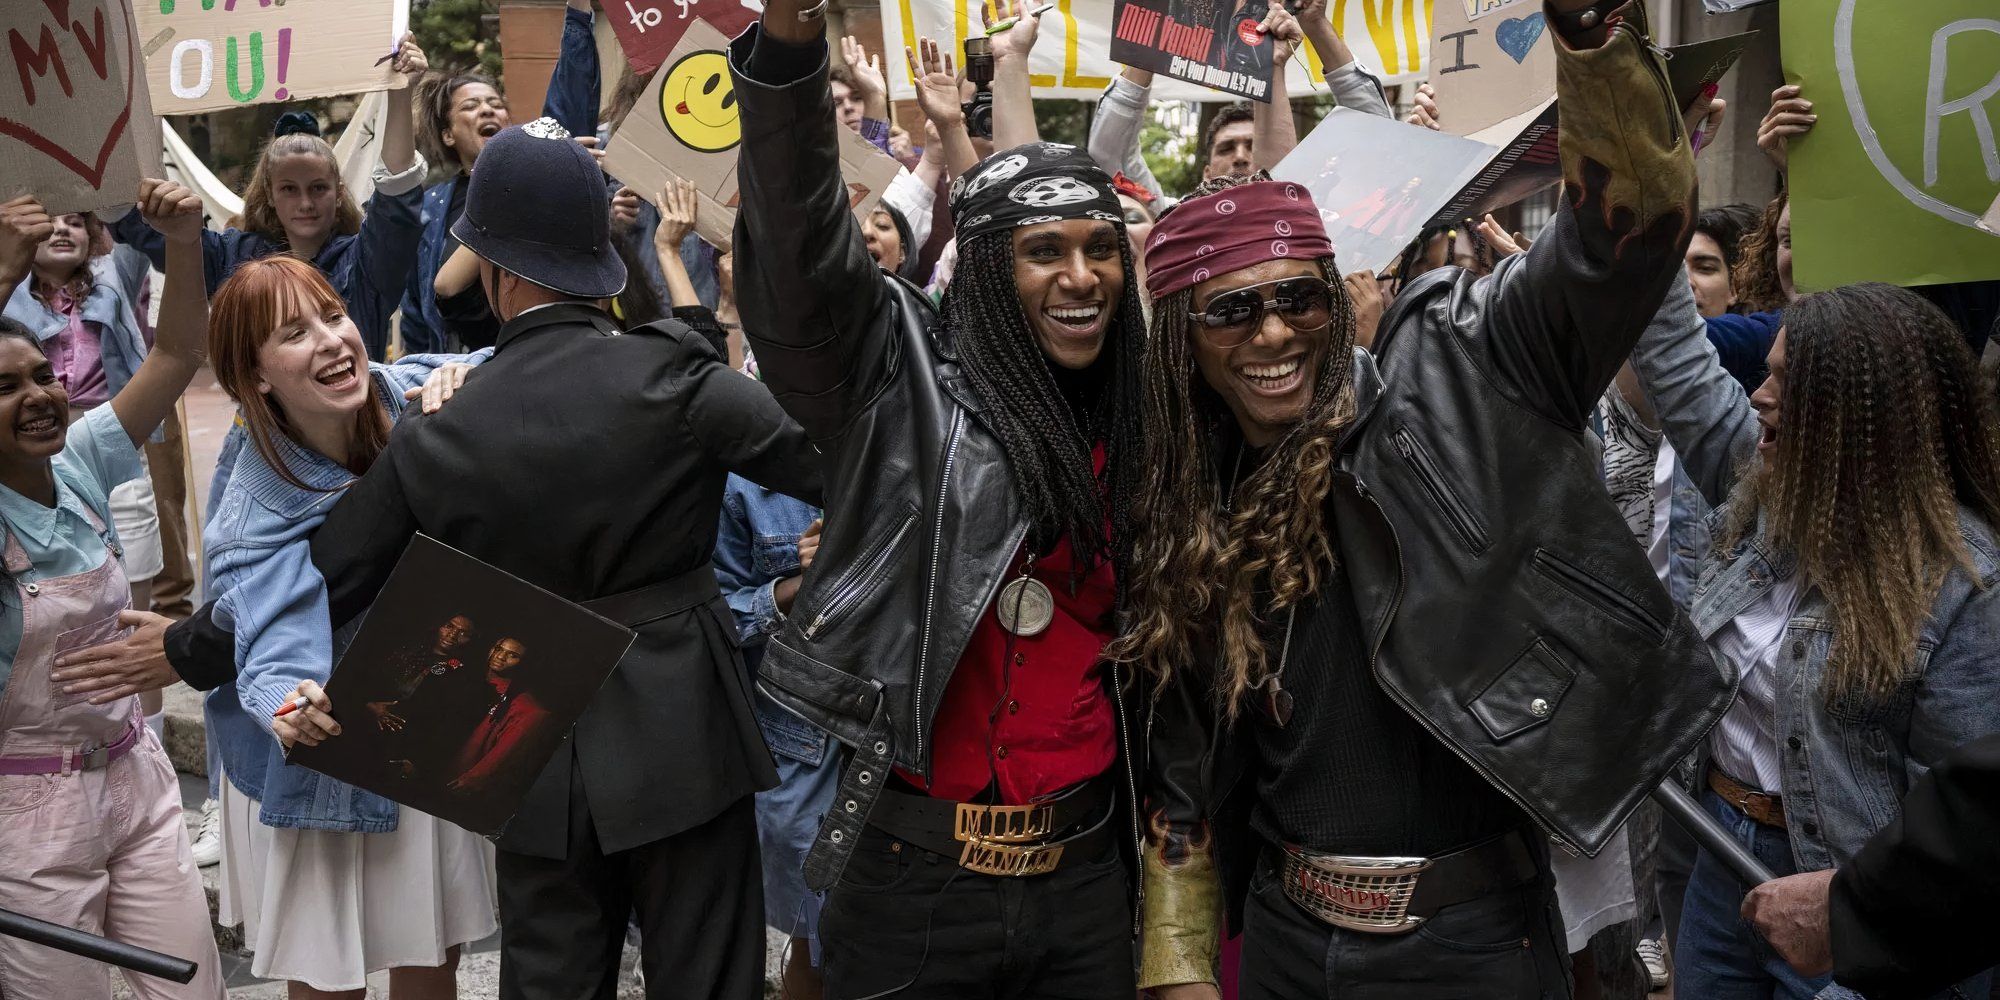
[
  {"x": 921, "y": 515},
  {"x": 1503, "y": 602}
]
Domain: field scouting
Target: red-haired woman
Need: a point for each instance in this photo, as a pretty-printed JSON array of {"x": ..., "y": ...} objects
[{"x": 331, "y": 883}]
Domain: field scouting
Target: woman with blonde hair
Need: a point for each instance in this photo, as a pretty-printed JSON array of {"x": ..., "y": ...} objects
[{"x": 296, "y": 203}]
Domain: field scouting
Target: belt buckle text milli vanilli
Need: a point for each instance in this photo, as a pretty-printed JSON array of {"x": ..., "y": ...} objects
[{"x": 1371, "y": 895}]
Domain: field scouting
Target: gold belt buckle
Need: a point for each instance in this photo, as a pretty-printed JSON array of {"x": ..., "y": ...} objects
[
  {"x": 1004, "y": 840},
  {"x": 1004, "y": 824},
  {"x": 1371, "y": 895},
  {"x": 989, "y": 858}
]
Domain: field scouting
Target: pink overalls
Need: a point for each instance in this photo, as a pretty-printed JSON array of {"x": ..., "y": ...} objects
[{"x": 91, "y": 834}]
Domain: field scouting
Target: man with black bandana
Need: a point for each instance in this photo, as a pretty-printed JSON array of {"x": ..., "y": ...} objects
[{"x": 950, "y": 630}]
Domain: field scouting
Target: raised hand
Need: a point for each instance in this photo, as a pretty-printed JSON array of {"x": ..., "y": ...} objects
[
  {"x": 937, "y": 83},
  {"x": 409, "y": 59},
  {"x": 1424, "y": 111},
  {"x": 24, "y": 225},
  {"x": 1496, "y": 237},
  {"x": 1285, "y": 35},
  {"x": 624, "y": 209},
  {"x": 1790, "y": 116},
  {"x": 869, "y": 83},
  {"x": 678, "y": 208},
  {"x": 173, "y": 209},
  {"x": 1013, "y": 27}
]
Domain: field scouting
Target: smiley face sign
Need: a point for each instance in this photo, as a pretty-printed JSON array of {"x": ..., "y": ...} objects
[{"x": 698, "y": 102}]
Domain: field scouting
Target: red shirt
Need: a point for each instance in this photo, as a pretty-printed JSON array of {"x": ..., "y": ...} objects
[{"x": 1032, "y": 717}]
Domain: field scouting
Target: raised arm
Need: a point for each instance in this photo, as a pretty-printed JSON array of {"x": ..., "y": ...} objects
[
  {"x": 573, "y": 92},
  {"x": 181, "y": 343},
  {"x": 392, "y": 228},
  {"x": 1013, "y": 37},
  {"x": 1115, "y": 127},
  {"x": 1561, "y": 318},
  {"x": 1352, "y": 86},
  {"x": 1699, "y": 405},
  {"x": 24, "y": 226},
  {"x": 937, "y": 94},
  {"x": 811, "y": 299},
  {"x": 1277, "y": 134},
  {"x": 678, "y": 206}
]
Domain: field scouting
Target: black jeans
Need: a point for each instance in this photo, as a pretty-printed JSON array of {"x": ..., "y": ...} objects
[
  {"x": 907, "y": 923},
  {"x": 1506, "y": 946},
  {"x": 699, "y": 899}
]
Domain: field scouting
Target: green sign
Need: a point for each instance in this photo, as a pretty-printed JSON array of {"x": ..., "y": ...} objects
[{"x": 1899, "y": 180}]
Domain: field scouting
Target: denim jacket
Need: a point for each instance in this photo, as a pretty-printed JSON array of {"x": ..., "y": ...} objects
[
  {"x": 756, "y": 545},
  {"x": 1845, "y": 763},
  {"x": 572, "y": 101},
  {"x": 112, "y": 310},
  {"x": 259, "y": 558}
]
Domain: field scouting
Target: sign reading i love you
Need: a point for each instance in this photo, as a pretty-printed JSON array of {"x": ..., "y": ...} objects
[
  {"x": 76, "y": 129},
  {"x": 206, "y": 55}
]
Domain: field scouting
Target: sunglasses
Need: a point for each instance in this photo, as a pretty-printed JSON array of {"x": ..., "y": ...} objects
[{"x": 1232, "y": 318}]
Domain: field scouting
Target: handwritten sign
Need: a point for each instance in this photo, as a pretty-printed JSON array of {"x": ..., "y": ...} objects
[
  {"x": 1073, "y": 57},
  {"x": 207, "y": 55},
  {"x": 1900, "y": 179},
  {"x": 649, "y": 29},
  {"x": 1491, "y": 61},
  {"x": 76, "y": 127},
  {"x": 686, "y": 126}
]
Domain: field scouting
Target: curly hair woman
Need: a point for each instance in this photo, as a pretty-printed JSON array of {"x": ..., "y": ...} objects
[
  {"x": 1851, "y": 586},
  {"x": 1378, "y": 592}
]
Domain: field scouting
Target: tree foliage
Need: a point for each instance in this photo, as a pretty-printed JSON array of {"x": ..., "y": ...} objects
[{"x": 457, "y": 36}]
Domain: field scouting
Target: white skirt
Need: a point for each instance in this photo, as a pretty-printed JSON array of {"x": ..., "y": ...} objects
[{"x": 326, "y": 908}]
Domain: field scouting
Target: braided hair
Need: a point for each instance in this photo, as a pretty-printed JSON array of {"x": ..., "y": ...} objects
[{"x": 1049, "y": 439}]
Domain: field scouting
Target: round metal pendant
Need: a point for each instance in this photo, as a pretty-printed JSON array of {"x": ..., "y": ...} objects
[{"x": 1025, "y": 607}]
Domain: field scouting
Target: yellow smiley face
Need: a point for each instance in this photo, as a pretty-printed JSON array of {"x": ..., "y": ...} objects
[{"x": 698, "y": 102}]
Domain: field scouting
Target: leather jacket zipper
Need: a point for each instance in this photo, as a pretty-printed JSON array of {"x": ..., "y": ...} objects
[
  {"x": 1454, "y": 511},
  {"x": 1131, "y": 755},
  {"x": 919, "y": 755},
  {"x": 859, "y": 580},
  {"x": 1374, "y": 667},
  {"x": 1599, "y": 595}
]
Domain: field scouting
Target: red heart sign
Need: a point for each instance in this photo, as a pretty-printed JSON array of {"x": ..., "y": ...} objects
[{"x": 55, "y": 83}]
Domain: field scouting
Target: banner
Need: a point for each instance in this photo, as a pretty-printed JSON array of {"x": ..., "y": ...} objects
[
  {"x": 1376, "y": 181},
  {"x": 1491, "y": 60},
  {"x": 1073, "y": 59},
  {"x": 1892, "y": 182},
  {"x": 685, "y": 125},
  {"x": 76, "y": 125},
  {"x": 1201, "y": 41},
  {"x": 649, "y": 29},
  {"x": 207, "y": 55}
]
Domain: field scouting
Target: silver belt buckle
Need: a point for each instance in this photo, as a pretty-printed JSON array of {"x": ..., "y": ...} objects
[
  {"x": 1370, "y": 895},
  {"x": 93, "y": 760}
]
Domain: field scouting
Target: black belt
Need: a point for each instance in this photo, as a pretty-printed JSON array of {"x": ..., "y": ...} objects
[
  {"x": 1393, "y": 895},
  {"x": 655, "y": 601},
  {"x": 1003, "y": 840}
]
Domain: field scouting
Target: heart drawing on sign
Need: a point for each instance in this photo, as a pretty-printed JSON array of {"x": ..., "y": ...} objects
[
  {"x": 56, "y": 80},
  {"x": 1517, "y": 36}
]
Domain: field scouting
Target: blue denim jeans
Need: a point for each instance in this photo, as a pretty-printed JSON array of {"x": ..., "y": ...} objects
[{"x": 1718, "y": 956}]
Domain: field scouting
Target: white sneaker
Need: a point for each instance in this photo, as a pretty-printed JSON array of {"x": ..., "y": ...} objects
[
  {"x": 208, "y": 838},
  {"x": 1654, "y": 956}
]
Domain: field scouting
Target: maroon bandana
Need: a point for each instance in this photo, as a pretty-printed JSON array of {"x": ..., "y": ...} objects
[{"x": 1230, "y": 230}]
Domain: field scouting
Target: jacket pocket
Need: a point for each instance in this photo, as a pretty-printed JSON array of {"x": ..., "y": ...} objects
[
  {"x": 1456, "y": 512},
  {"x": 863, "y": 576},
  {"x": 1600, "y": 595},
  {"x": 1525, "y": 694}
]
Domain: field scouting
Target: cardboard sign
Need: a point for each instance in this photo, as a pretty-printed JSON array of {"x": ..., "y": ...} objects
[
  {"x": 1377, "y": 181},
  {"x": 649, "y": 29},
  {"x": 1892, "y": 183},
  {"x": 1491, "y": 60},
  {"x": 460, "y": 685},
  {"x": 1073, "y": 56},
  {"x": 206, "y": 55},
  {"x": 685, "y": 125},
  {"x": 76, "y": 124},
  {"x": 1215, "y": 43}
]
